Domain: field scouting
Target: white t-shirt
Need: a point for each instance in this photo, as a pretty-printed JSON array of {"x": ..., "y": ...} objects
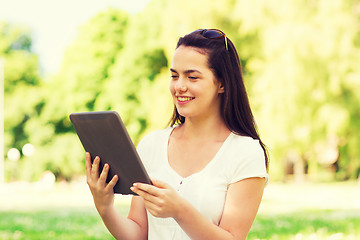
[{"x": 238, "y": 158}]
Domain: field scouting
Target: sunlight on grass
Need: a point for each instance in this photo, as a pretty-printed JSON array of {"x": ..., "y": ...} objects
[
  {"x": 309, "y": 211},
  {"x": 307, "y": 224},
  {"x": 64, "y": 224}
]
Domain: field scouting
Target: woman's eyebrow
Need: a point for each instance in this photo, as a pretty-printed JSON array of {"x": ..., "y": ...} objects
[
  {"x": 187, "y": 71},
  {"x": 192, "y": 71}
]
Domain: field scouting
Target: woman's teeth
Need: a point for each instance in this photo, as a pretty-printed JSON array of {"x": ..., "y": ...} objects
[{"x": 185, "y": 98}]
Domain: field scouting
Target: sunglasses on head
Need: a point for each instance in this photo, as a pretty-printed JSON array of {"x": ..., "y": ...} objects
[{"x": 211, "y": 34}]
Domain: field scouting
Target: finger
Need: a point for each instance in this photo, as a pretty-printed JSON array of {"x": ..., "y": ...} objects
[
  {"x": 147, "y": 192},
  {"x": 152, "y": 190},
  {"x": 88, "y": 164},
  {"x": 145, "y": 195},
  {"x": 104, "y": 173},
  {"x": 113, "y": 182},
  {"x": 95, "y": 168},
  {"x": 160, "y": 184}
]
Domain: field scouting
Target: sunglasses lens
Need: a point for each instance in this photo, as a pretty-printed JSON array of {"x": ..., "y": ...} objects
[
  {"x": 213, "y": 33},
  {"x": 199, "y": 30}
]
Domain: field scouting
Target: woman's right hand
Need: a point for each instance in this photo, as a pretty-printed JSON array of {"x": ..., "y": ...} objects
[{"x": 102, "y": 192}]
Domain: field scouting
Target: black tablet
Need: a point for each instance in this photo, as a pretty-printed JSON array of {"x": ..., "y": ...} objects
[{"x": 104, "y": 134}]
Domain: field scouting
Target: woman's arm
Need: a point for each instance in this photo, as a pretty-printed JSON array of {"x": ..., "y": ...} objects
[
  {"x": 241, "y": 206},
  {"x": 135, "y": 226},
  {"x": 242, "y": 202}
]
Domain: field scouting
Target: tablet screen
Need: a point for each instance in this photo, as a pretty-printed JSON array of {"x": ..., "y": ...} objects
[{"x": 104, "y": 134}]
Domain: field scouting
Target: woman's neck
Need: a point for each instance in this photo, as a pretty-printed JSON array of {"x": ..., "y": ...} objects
[{"x": 212, "y": 128}]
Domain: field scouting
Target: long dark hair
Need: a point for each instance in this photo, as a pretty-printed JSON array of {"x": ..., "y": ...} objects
[{"x": 225, "y": 64}]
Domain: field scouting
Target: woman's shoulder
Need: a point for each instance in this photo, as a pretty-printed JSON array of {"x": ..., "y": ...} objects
[
  {"x": 245, "y": 141},
  {"x": 246, "y": 146},
  {"x": 155, "y": 136},
  {"x": 151, "y": 145}
]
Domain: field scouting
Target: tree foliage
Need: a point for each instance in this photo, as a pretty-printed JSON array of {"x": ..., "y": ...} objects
[
  {"x": 21, "y": 84},
  {"x": 300, "y": 64},
  {"x": 308, "y": 69}
]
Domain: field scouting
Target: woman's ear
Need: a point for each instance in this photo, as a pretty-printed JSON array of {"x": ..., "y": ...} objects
[{"x": 221, "y": 88}]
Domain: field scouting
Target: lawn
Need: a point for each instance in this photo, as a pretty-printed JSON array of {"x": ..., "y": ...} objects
[
  {"x": 52, "y": 224},
  {"x": 288, "y": 211}
]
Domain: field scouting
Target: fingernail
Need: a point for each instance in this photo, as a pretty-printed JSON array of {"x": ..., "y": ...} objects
[{"x": 132, "y": 189}]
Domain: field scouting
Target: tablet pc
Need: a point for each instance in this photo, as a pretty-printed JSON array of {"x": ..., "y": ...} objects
[{"x": 104, "y": 134}]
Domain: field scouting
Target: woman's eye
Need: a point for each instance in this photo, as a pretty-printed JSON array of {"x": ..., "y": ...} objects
[
  {"x": 173, "y": 76},
  {"x": 193, "y": 78}
]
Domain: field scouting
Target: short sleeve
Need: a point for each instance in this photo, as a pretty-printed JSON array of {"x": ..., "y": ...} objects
[{"x": 248, "y": 161}]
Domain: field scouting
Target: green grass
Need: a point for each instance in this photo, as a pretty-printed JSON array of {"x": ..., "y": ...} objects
[
  {"x": 72, "y": 223},
  {"x": 86, "y": 224},
  {"x": 287, "y": 212},
  {"x": 309, "y": 224},
  {"x": 54, "y": 224}
]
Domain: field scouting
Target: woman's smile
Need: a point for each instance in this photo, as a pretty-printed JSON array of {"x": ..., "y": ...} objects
[{"x": 181, "y": 100}]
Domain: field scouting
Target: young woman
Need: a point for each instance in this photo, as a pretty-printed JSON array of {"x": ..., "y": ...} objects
[{"x": 209, "y": 168}]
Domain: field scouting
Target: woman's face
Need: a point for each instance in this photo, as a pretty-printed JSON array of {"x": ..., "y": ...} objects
[{"x": 194, "y": 88}]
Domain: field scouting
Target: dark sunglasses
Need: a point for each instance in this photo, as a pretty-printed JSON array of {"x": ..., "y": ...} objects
[{"x": 212, "y": 33}]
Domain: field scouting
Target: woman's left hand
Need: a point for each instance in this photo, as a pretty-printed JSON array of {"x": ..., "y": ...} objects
[{"x": 161, "y": 200}]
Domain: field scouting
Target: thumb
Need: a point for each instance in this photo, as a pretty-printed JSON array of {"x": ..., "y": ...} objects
[{"x": 159, "y": 184}]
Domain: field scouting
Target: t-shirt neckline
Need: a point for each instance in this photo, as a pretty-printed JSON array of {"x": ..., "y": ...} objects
[{"x": 204, "y": 169}]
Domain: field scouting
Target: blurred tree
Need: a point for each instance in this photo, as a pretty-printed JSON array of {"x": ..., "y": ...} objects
[
  {"x": 135, "y": 70},
  {"x": 106, "y": 68},
  {"x": 85, "y": 69},
  {"x": 305, "y": 82},
  {"x": 21, "y": 85}
]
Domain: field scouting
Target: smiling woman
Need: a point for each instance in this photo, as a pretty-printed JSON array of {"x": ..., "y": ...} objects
[{"x": 209, "y": 168}]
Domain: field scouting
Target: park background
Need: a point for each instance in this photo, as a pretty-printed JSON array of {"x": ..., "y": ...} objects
[{"x": 301, "y": 68}]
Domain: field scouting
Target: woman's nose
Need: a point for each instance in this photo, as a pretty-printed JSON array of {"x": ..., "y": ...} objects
[{"x": 180, "y": 86}]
